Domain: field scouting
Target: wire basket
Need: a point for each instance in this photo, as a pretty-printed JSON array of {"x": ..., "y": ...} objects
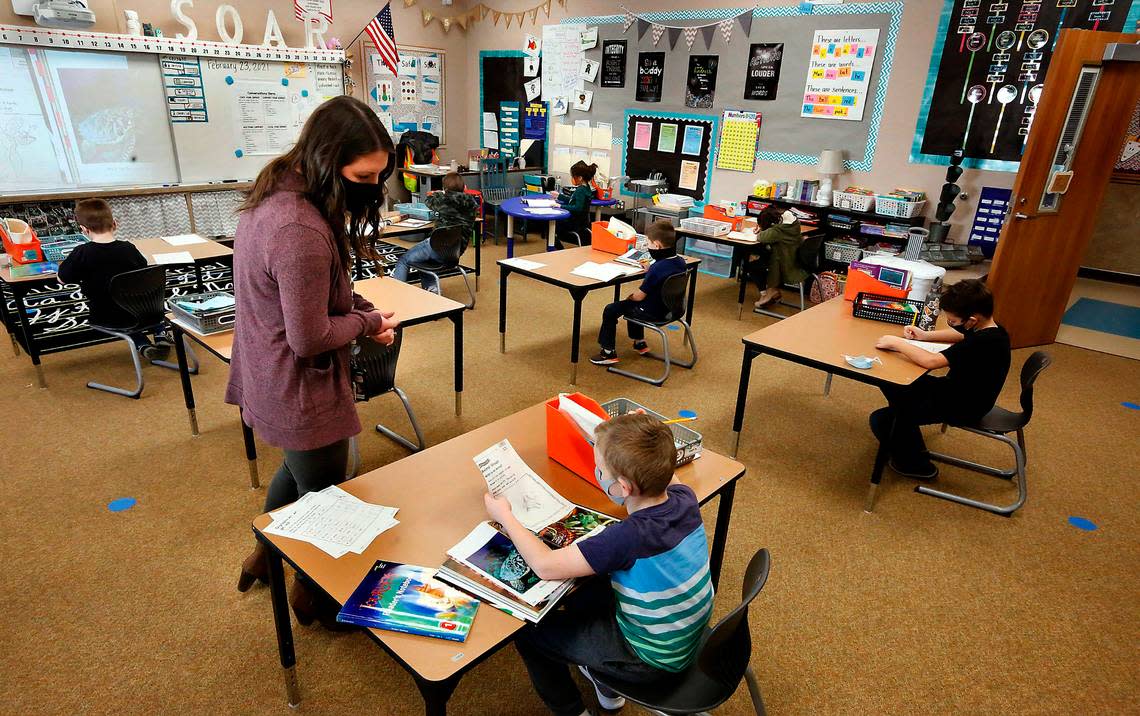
[
  {"x": 416, "y": 211},
  {"x": 842, "y": 251},
  {"x": 854, "y": 202},
  {"x": 900, "y": 311},
  {"x": 57, "y": 248},
  {"x": 891, "y": 206},
  {"x": 203, "y": 322},
  {"x": 706, "y": 227},
  {"x": 686, "y": 440}
]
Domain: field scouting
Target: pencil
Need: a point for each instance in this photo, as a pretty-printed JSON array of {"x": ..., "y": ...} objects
[{"x": 677, "y": 420}]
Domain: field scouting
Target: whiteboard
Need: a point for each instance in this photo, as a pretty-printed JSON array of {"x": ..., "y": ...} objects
[{"x": 230, "y": 117}]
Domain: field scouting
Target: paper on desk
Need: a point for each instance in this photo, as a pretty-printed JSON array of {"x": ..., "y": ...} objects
[
  {"x": 174, "y": 257},
  {"x": 522, "y": 263},
  {"x": 333, "y": 521},
  {"x": 586, "y": 421},
  {"x": 603, "y": 272},
  {"x": 411, "y": 223},
  {"x": 184, "y": 239},
  {"x": 928, "y": 345},
  {"x": 742, "y": 236},
  {"x": 543, "y": 211},
  {"x": 540, "y": 203},
  {"x": 533, "y": 502}
]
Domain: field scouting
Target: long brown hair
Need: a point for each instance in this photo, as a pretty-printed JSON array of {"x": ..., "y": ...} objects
[{"x": 336, "y": 133}]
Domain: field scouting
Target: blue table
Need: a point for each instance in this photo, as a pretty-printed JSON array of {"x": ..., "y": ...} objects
[
  {"x": 514, "y": 208},
  {"x": 597, "y": 205}
]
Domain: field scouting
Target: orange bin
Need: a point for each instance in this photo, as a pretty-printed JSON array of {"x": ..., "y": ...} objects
[
  {"x": 565, "y": 443},
  {"x": 602, "y": 240},
  {"x": 718, "y": 214},
  {"x": 25, "y": 253},
  {"x": 859, "y": 282}
]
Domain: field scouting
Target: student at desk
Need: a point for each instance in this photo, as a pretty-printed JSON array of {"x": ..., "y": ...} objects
[
  {"x": 454, "y": 208},
  {"x": 297, "y": 315},
  {"x": 779, "y": 232},
  {"x": 577, "y": 201},
  {"x": 644, "y": 621},
  {"x": 978, "y": 358}
]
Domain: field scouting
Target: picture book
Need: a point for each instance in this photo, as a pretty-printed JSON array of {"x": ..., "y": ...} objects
[
  {"x": 408, "y": 599},
  {"x": 634, "y": 257}
]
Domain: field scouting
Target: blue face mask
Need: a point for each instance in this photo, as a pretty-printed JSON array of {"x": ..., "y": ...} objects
[
  {"x": 606, "y": 485},
  {"x": 861, "y": 362}
]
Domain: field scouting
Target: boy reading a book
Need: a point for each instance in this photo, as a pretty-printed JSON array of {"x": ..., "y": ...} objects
[
  {"x": 646, "y": 302},
  {"x": 647, "y": 621},
  {"x": 454, "y": 208},
  {"x": 978, "y": 358}
]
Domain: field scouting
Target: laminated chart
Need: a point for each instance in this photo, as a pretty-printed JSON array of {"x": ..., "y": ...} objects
[
  {"x": 839, "y": 72},
  {"x": 739, "y": 136}
]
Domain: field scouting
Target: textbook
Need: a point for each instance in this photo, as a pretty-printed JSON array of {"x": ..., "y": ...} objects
[
  {"x": 634, "y": 257},
  {"x": 407, "y": 598}
]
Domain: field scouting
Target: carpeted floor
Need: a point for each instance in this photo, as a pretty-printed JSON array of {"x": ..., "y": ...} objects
[{"x": 924, "y": 606}]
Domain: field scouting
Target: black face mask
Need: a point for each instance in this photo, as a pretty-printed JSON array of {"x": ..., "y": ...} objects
[
  {"x": 961, "y": 328},
  {"x": 360, "y": 196},
  {"x": 659, "y": 254}
]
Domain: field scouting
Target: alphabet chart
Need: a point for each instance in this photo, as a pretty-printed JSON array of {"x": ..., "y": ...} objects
[
  {"x": 839, "y": 71},
  {"x": 738, "y": 140}
]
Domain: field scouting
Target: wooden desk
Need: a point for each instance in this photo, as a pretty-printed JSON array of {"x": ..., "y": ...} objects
[
  {"x": 818, "y": 338},
  {"x": 412, "y": 305},
  {"x": 440, "y": 495},
  {"x": 555, "y": 271},
  {"x": 23, "y": 334}
]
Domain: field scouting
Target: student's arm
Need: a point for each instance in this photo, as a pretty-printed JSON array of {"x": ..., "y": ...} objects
[
  {"x": 564, "y": 563},
  {"x": 302, "y": 271},
  {"x": 637, "y": 295},
  {"x": 580, "y": 200},
  {"x": 919, "y": 356},
  {"x": 771, "y": 235},
  {"x": 946, "y": 335},
  {"x": 71, "y": 270},
  {"x": 138, "y": 261}
]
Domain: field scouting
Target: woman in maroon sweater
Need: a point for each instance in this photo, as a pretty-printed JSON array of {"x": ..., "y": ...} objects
[{"x": 297, "y": 315}]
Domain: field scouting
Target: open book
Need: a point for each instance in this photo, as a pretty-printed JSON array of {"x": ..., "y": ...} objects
[{"x": 634, "y": 257}]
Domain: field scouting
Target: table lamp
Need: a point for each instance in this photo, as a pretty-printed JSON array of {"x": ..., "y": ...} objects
[{"x": 830, "y": 164}]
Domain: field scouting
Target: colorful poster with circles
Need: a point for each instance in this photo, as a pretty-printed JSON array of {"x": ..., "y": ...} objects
[
  {"x": 839, "y": 72},
  {"x": 739, "y": 132}
]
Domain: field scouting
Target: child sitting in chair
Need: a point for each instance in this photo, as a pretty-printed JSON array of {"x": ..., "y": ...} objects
[
  {"x": 779, "y": 232},
  {"x": 578, "y": 202},
  {"x": 453, "y": 208}
]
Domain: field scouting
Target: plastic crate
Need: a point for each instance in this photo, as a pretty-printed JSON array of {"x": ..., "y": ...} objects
[
  {"x": 708, "y": 227},
  {"x": 891, "y": 206},
  {"x": 57, "y": 248},
  {"x": 710, "y": 248},
  {"x": 713, "y": 265},
  {"x": 203, "y": 322},
  {"x": 871, "y": 305},
  {"x": 842, "y": 251},
  {"x": 686, "y": 440},
  {"x": 854, "y": 202},
  {"x": 416, "y": 211}
]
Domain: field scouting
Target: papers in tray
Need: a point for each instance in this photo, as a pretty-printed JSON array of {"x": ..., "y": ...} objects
[
  {"x": 583, "y": 419},
  {"x": 928, "y": 345},
  {"x": 211, "y": 304},
  {"x": 333, "y": 521},
  {"x": 526, "y": 264},
  {"x": 603, "y": 272},
  {"x": 184, "y": 239}
]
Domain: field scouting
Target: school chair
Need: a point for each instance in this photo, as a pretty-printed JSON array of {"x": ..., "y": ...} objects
[
  {"x": 495, "y": 190},
  {"x": 998, "y": 424},
  {"x": 374, "y": 371},
  {"x": 722, "y": 661},
  {"x": 142, "y": 294},
  {"x": 807, "y": 256},
  {"x": 674, "y": 296},
  {"x": 448, "y": 242}
]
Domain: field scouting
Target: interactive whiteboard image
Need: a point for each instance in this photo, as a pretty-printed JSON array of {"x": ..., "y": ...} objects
[{"x": 30, "y": 155}]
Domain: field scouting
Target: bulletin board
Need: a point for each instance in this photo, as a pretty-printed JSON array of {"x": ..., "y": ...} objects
[
  {"x": 639, "y": 163},
  {"x": 784, "y": 135},
  {"x": 1004, "y": 49},
  {"x": 501, "y": 80},
  {"x": 426, "y": 112}
]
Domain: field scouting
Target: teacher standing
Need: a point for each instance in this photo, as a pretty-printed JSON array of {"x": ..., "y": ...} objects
[{"x": 297, "y": 314}]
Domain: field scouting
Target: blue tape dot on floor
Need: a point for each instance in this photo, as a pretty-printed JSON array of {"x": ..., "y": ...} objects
[
  {"x": 687, "y": 413},
  {"x": 674, "y": 327},
  {"x": 229, "y": 79},
  {"x": 121, "y": 504},
  {"x": 1082, "y": 524},
  {"x": 1131, "y": 406}
]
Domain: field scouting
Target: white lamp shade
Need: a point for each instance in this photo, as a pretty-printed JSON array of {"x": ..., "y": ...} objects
[{"x": 830, "y": 161}]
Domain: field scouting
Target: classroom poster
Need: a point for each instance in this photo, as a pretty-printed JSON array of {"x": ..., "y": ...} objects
[
  {"x": 689, "y": 172},
  {"x": 409, "y": 66},
  {"x": 613, "y": 63},
  {"x": 589, "y": 70},
  {"x": 839, "y": 72},
  {"x": 534, "y": 123},
  {"x": 650, "y": 76},
  {"x": 533, "y": 88},
  {"x": 692, "y": 142},
  {"x": 989, "y": 217},
  {"x": 263, "y": 118},
  {"x": 701, "y": 83},
  {"x": 530, "y": 67},
  {"x": 667, "y": 138},
  {"x": 561, "y": 63},
  {"x": 642, "y": 135},
  {"x": 584, "y": 100},
  {"x": 763, "y": 70},
  {"x": 590, "y": 38},
  {"x": 739, "y": 132},
  {"x": 385, "y": 92},
  {"x": 409, "y": 90}
]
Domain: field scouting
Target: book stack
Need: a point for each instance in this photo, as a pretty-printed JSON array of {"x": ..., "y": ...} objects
[
  {"x": 805, "y": 190},
  {"x": 907, "y": 195},
  {"x": 408, "y": 599}
]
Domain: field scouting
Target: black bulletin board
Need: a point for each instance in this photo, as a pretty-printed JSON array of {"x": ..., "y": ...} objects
[
  {"x": 639, "y": 164},
  {"x": 502, "y": 80}
]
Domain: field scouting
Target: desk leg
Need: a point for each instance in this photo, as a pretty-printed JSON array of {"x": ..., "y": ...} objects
[
  {"x": 281, "y": 621},
  {"x": 184, "y": 375},
  {"x": 827, "y": 385},
  {"x": 15, "y": 345},
  {"x": 743, "y": 288},
  {"x": 478, "y": 255},
  {"x": 597, "y": 213},
  {"x": 720, "y": 533},
  {"x": 575, "y": 338},
  {"x": 503, "y": 273},
  {"x": 250, "y": 452},
  {"x": 510, "y": 236},
  {"x": 877, "y": 472},
  {"x": 692, "y": 297},
  {"x": 550, "y": 231},
  {"x": 617, "y": 292},
  {"x": 436, "y": 694},
  {"x": 457, "y": 319},
  {"x": 742, "y": 396},
  {"x": 28, "y": 332}
]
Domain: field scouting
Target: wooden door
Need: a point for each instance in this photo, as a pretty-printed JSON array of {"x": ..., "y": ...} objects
[{"x": 1046, "y": 235}]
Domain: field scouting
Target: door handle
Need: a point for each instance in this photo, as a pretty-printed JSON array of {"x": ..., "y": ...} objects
[{"x": 1019, "y": 215}]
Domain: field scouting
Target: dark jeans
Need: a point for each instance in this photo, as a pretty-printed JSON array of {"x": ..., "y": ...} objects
[
  {"x": 607, "y": 336},
  {"x": 305, "y": 471},
  {"x": 583, "y": 631},
  {"x": 908, "y": 408},
  {"x": 759, "y": 270}
]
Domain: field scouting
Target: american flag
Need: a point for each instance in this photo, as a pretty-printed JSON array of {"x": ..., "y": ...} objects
[{"x": 384, "y": 38}]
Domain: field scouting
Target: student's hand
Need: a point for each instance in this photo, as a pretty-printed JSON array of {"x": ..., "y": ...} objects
[
  {"x": 499, "y": 508},
  {"x": 888, "y": 343},
  {"x": 915, "y": 333}
]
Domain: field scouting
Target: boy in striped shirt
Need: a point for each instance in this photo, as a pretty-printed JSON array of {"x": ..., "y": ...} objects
[{"x": 647, "y": 622}]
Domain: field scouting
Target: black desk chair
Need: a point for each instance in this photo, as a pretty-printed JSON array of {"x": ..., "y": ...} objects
[
  {"x": 721, "y": 663},
  {"x": 997, "y": 424},
  {"x": 376, "y": 364},
  {"x": 673, "y": 293},
  {"x": 448, "y": 242},
  {"x": 142, "y": 294},
  {"x": 808, "y": 257}
]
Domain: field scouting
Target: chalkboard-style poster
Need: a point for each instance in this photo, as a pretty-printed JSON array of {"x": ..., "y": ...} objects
[
  {"x": 613, "y": 63},
  {"x": 763, "y": 70},
  {"x": 701, "y": 83},
  {"x": 650, "y": 74}
]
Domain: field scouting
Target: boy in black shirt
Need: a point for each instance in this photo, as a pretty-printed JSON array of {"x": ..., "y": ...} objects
[
  {"x": 94, "y": 264},
  {"x": 978, "y": 358}
]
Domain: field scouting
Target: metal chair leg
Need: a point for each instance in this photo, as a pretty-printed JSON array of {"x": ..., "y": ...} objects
[
  {"x": 471, "y": 304},
  {"x": 192, "y": 359},
  {"x": 827, "y": 385},
  {"x": 780, "y": 316},
  {"x": 1018, "y": 473},
  {"x": 389, "y": 433},
  {"x": 665, "y": 357},
  {"x": 138, "y": 372},
  {"x": 754, "y": 691}
]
